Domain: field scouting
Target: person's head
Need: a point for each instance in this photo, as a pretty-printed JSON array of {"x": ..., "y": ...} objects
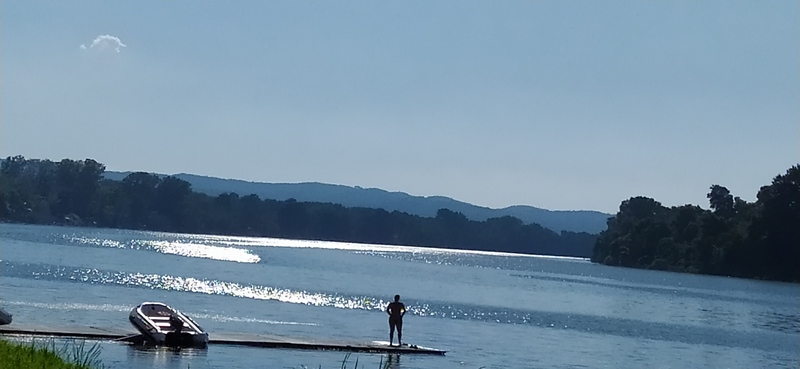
[{"x": 396, "y": 298}]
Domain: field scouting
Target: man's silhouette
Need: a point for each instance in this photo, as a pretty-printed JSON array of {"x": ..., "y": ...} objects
[{"x": 396, "y": 310}]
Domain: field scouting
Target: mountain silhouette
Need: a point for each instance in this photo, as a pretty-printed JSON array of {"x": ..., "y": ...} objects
[{"x": 426, "y": 206}]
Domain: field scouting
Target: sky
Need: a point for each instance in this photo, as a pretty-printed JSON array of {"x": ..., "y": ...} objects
[{"x": 562, "y": 104}]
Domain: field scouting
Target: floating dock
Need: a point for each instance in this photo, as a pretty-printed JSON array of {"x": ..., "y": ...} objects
[{"x": 242, "y": 339}]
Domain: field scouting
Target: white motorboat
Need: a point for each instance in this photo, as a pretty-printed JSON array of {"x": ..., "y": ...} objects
[
  {"x": 162, "y": 325},
  {"x": 5, "y": 317}
]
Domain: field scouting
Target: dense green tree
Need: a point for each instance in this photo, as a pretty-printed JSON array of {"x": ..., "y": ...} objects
[
  {"x": 333, "y": 223},
  {"x": 171, "y": 201},
  {"x": 721, "y": 200},
  {"x": 250, "y": 214},
  {"x": 736, "y": 238},
  {"x": 776, "y": 232},
  {"x": 375, "y": 226},
  {"x": 453, "y": 228},
  {"x": 292, "y": 219},
  {"x": 140, "y": 195}
]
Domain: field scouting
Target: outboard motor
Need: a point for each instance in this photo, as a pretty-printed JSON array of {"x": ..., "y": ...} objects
[
  {"x": 176, "y": 323},
  {"x": 175, "y": 338}
]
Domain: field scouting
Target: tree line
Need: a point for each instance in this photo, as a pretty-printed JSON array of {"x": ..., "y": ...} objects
[
  {"x": 733, "y": 238},
  {"x": 74, "y": 192}
]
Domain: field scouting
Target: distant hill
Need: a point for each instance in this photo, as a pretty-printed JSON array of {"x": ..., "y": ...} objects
[{"x": 557, "y": 220}]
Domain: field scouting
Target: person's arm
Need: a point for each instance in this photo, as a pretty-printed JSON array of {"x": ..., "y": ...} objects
[
  {"x": 403, "y": 309},
  {"x": 389, "y": 309}
]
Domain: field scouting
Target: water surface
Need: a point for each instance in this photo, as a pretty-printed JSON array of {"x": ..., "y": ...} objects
[{"x": 488, "y": 310}]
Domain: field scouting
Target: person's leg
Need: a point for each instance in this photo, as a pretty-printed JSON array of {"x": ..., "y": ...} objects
[
  {"x": 400, "y": 333},
  {"x": 391, "y": 332}
]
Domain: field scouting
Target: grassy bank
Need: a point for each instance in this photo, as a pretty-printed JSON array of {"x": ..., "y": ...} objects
[{"x": 45, "y": 355}]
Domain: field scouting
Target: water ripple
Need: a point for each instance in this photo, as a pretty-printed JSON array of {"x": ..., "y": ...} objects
[
  {"x": 768, "y": 339},
  {"x": 728, "y": 296}
]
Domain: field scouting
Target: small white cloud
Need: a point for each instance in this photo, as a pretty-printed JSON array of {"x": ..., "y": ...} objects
[{"x": 105, "y": 42}]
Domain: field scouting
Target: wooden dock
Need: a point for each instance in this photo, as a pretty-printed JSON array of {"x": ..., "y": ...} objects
[{"x": 242, "y": 339}]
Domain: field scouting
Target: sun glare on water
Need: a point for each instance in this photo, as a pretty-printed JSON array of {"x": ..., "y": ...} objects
[{"x": 188, "y": 249}]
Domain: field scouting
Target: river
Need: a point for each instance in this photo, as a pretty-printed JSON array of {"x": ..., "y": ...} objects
[{"x": 488, "y": 310}]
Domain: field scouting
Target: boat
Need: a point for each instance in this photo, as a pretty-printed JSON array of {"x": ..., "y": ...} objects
[
  {"x": 162, "y": 325},
  {"x": 5, "y": 317}
]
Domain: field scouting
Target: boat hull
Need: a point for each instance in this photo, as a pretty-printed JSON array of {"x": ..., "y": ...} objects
[
  {"x": 162, "y": 325},
  {"x": 5, "y": 317}
]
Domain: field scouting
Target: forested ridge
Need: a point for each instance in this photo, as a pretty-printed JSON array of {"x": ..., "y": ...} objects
[
  {"x": 74, "y": 192},
  {"x": 733, "y": 238}
]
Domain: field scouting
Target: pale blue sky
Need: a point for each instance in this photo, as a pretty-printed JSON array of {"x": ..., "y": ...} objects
[{"x": 555, "y": 104}]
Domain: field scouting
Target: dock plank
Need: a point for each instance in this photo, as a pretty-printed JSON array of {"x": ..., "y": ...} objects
[{"x": 242, "y": 339}]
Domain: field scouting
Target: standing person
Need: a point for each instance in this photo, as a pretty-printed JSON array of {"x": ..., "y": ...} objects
[{"x": 396, "y": 310}]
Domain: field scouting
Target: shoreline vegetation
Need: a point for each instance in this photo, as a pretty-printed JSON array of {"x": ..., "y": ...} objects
[
  {"x": 34, "y": 355},
  {"x": 759, "y": 240},
  {"x": 75, "y": 355},
  {"x": 71, "y": 192}
]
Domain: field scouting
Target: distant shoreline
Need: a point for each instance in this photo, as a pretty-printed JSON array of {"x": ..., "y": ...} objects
[
  {"x": 77, "y": 193},
  {"x": 308, "y": 243}
]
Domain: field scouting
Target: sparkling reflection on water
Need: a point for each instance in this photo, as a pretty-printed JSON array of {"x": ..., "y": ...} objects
[{"x": 486, "y": 309}]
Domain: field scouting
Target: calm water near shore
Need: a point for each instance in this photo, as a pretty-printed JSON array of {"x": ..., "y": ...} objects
[{"x": 486, "y": 309}]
